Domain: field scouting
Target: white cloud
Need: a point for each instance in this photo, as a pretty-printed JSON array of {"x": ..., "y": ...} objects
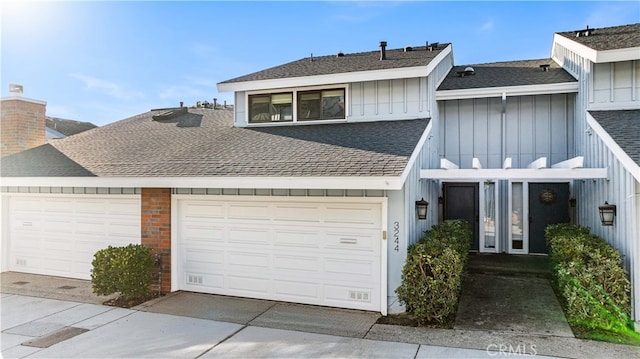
[
  {"x": 612, "y": 14},
  {"x": 487, "y": 26},
  {"x": 109, "y": 88}
]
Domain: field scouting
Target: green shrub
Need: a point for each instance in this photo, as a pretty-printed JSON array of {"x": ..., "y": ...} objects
[
  {"x": 589, "y": 277},
  {"x": 432, "y": 274},
  {"x": 124, "y": 270}
]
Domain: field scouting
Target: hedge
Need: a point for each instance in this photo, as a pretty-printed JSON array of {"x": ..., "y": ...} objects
[
  {"x": 124, "y": 270},
  {"x": 589, "y": 278},
  {"x": 432, "y": 274}
]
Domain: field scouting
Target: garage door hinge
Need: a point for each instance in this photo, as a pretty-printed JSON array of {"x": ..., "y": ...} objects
[{"x": 384, "y": 235}]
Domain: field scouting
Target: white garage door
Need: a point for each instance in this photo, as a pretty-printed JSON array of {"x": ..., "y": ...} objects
[
  {"x": 325, "y": 252},
  {"x": 59, "y": 234}
]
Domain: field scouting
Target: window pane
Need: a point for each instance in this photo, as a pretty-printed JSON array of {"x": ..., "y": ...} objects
[
  {"x": 282, "y": 107},
  {"x": 333, "y": 104},
  {"x": 259, "y": 108},
  {"x": 516, "y": 216},
  {"x": 489, "y": 215},
  {"x": 309, "y": 106}
]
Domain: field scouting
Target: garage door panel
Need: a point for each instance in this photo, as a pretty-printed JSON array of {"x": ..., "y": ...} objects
[
  {"x": 249, "y": 235},
  {"x": 199, "y": 209},
  {"x": 249, "y": 262},
  {"x": 296, "y": 289},
  {"x": 297, "y": 213},
  {"x": 297, "y": 263},
  {"x": 315, "y": 252},
  {"x": 59, "y": 235},
  {"x": 241, "y": 285},
  {"x": 352, "y": 214},
  {"x": 353, "y": 240},
  {"x": 249, "y": 210}
]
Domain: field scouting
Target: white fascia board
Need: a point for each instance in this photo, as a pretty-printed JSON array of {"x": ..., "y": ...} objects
[
  {"x": 338, "y": 78},
  {"x": 626, "y": 161},
  {"x": 416, "y": 152},
  {"x": 576, "y": 47},
  {"x": 510, "y": 91},
  {"x": 517, "y": 174},
  {"x": 363, "y": 182},
  {"x": 626, "y": 54}
]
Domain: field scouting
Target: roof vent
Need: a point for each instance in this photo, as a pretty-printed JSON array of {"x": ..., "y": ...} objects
[
  {"x": 434, "y": 46},
  {"x": 408, "y": 48},
  {"x": 340, "y": 54},
  {"x": 468, "y": 71},
  {"x": 545, "y": 67},
  {"x": 16, "y": 89},
  {"x": 169, "y": 114},
  {"x": 585, "y": 32},
  {"x": 383, "y": 50}
]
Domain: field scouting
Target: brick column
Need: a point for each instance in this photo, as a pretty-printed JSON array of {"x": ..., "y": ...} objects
[{"x": 156, "y": 229}]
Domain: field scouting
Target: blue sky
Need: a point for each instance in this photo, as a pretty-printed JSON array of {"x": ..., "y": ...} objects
[{"x": 104, "y": 61}]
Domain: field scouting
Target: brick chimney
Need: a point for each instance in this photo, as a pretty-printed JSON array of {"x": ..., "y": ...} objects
[{"x": 22, "y": 124}]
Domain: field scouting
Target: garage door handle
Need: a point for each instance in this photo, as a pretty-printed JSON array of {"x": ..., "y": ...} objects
[{"x": 348, "y": 240}]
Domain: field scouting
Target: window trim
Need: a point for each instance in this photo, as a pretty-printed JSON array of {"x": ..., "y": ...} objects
[{"x": 295, "y": 91}]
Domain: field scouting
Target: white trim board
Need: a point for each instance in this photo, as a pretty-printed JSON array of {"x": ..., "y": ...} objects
[
  {"x": 515, "y": 174},
  {"x": 338, "y": 78},
  {"x": 617, "y": 55},
  {"x": 352, "y": 182},
  {"x": 510, "y": 91}
]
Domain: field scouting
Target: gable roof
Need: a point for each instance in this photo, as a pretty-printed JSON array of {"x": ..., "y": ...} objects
[
  {"x": 348, "y": 63},
  {"x": 41, "y": 161},
  {"x": 607, "y": 38},
  {"x": 68, "y": 127},
  {"x": 204, "y": 143},
  {"x": 624, "y": 128},
  {"x": 508, "y": 73}
]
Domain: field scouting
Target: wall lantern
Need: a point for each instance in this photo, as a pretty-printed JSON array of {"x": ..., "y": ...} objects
[
  {"x": 607, "y": 213},
  {"x": 572, "y": 202},
  {"x": 421, "y": 208}
]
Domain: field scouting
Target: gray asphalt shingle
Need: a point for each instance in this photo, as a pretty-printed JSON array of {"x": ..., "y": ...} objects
[
  {"x": 624, "y": 127},
  {"x": 328, "y": 65},
  {"x": 607, "y": 38},
  {"x": 204, "y": 142},
  {"x": 508, "y": 73}
]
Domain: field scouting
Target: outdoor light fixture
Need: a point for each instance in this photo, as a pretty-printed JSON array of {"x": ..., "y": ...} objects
[
  {"x": 572, "y": 202},
  {"x": 607, "y": 213},
  {"x": 421, "y": 208}
]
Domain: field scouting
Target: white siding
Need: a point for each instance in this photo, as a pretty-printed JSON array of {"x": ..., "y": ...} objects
[
  {"x": 615, "y": 85},
  {"x": 535, "y": 126},
  {"x": 621, "y": 189}
]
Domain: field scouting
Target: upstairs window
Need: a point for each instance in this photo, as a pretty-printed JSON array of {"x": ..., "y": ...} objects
[
  {"x": 312, "y": 105},
  {"x": 321, "y": 105},
  {"x": 271, "y": 108}
]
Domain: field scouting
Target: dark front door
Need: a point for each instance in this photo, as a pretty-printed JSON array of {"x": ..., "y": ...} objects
[
  {"x": 461, "y": 202},
  {"x": 548, "y": 204}
]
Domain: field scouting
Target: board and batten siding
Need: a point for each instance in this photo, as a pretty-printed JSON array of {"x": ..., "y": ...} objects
[
  {"x": 534, "y": 127},
  {"x": 622, "y": 189},
  {"x": 615, "y": 85}
]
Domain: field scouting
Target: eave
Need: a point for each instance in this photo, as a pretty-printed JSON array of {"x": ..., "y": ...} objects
[
  {"x": 362, "y": 182},
  {"x": 329, "y": 79},
  {"x": 595, "y": 56},
  {"x": 525, "y": 90}
]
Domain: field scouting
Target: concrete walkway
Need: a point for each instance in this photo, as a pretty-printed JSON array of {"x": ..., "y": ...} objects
[{"x": 193, "y": 325}]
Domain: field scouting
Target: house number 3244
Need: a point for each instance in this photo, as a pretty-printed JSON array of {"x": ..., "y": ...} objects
[{"x": 396, "y": 236}]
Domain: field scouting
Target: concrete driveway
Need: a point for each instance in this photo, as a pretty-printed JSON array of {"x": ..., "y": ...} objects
[{"x": 194, "y": 325}]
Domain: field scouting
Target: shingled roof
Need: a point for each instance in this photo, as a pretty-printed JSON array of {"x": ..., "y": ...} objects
[
  {"x": 68, "y": 127},
  {"x": 624, "y": 127},
  {"x": 204, "y": 143},
  {"x": 607, "y": 38},
  {"x": 354, "y": 62},
  {"x": 509, "y": 73}
]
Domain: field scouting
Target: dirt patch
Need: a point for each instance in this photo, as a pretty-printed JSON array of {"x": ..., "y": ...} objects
[
  {"x": 408, "y": 320},
  {"x": 122, "y": 303}
]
